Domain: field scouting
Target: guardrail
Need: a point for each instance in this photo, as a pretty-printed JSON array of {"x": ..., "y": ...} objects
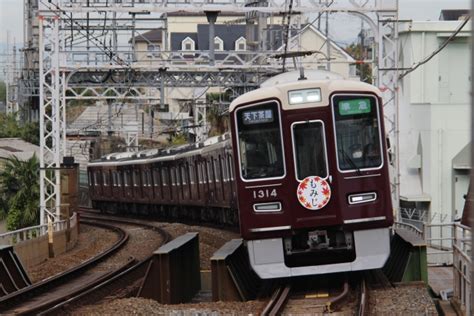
[{"x": 16, "y": 236}]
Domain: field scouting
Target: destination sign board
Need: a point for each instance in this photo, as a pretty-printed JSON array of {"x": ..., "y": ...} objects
[
  {"x": 257, "y": 116},
  {"x": 354, "y": 106}
]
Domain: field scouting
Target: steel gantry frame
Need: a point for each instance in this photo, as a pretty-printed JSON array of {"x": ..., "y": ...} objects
[{"x": 110, "y": 73}]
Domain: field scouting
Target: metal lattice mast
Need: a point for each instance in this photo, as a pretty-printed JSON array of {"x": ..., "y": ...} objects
[
  {"x": 51, "y": 118},
  {"x": 387, "y": 81}
]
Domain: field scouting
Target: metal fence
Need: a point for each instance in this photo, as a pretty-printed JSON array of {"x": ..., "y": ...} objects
[
  {"x": 16, "y": 236},
  {"x": 462, "y": 266}
]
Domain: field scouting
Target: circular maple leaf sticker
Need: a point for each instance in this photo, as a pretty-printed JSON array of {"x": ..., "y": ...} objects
[{"x": 314, "y": 193}]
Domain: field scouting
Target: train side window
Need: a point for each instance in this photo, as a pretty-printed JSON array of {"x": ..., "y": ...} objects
[
  {"x": 231, "y": 167},
  {"x": 173, "y": 176},
  {"x": 209, "y": 171},
  {"x": 223, "y": 162},
  {"x": 104, "y": 178},
  {"x": 217, "y": 171},
  {"x": 260, "y": 142},
  {"x": 310, "y": 156},
  {"x": 156, "y": 175},
  {"x": 89, "y": 174},
  {"x": 96, "y": 178},
  {"x": 144, "y": 178},
  {"x": 183, "y": 175},
  {"x": 164, "y": 178},
  {"x": 135, "y": 178},
  {"x": 119, "y": 178},
  {"x": 199, "y": 173},
  {"x": 192, "y": 176},
  {"x": 126, "y": 178},
  {"x": 114, "y": 182},
  {"x": 148, "y": 178}
]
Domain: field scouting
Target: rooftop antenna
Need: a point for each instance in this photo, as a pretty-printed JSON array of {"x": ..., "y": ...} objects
[{"x": 302, "y": 76}]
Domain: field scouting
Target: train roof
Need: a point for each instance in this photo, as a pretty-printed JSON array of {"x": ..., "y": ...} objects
[
  {"x": 280, "y": 91},
  {"x": 157, "y": 155}
]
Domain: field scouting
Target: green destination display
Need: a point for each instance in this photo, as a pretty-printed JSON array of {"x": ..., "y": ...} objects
[{"x": 354, "y": 106}]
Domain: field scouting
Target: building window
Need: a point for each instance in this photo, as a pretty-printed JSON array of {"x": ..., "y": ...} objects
[
  {"x": 218, "y": 43},
  {"x": 153, "y": 50},
  {"x": 241, "y": 44},
  {"x": 187, "y": 44}
]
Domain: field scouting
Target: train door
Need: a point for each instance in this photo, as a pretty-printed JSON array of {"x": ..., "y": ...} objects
[{"x": 308, "y": 144}]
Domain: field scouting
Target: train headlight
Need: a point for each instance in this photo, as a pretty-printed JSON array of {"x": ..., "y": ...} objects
[
  {"x": 267, "y": 207},
  {"x": 304, "y": 96},
  {"x": 362, "y": 197}
]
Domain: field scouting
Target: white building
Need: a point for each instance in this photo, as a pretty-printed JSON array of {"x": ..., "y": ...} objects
[{"x": 434, "y": 107}]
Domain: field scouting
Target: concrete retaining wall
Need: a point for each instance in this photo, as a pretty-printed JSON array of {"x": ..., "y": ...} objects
[{"x": 36, "y": 250}]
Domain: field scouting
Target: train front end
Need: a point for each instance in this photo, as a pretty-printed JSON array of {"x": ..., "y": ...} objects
[{"x": 312, "y": 177}]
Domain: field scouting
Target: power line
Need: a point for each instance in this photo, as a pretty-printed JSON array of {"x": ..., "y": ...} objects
[{"x": 440, "y": 48}]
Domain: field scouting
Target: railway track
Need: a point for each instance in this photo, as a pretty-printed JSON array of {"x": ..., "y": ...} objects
[
  {"x": 81, "y": 284},
  {"x": 290, "y": 299}
]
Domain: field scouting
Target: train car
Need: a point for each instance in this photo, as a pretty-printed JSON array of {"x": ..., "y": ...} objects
[
  {"x": 193, "y": 182},
  {"x": 304, "y": 173},
  {"x": 312, "y": 177}
]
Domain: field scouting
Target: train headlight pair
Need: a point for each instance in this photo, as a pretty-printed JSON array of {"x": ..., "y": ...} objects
[{"x": 304, "y": 96}]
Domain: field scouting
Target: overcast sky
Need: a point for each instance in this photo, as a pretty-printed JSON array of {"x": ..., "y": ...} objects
[{"x": 11, "y": 15}]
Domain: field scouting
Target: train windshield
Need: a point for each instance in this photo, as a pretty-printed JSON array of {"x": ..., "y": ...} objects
[
  {"x": 260, "y": 144},
  {"x": 357, "y": 132}
]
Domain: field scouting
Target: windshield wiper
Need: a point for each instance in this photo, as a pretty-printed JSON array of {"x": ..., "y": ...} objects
[{"x": 351, "y": 162}]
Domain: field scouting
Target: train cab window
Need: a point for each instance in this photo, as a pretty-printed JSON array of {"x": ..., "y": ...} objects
[
  {"x": 260, "y": 142},
  {"x": 357, "y": 129},
  {"x": 309, "y": 149}
]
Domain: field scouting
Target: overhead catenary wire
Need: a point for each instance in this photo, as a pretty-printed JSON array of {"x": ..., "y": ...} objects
[{"x": 440, "y": 48}]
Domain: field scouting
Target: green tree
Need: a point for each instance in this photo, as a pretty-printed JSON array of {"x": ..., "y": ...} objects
[
  {"x": 10, "y": 127},
  {"x": 3, "y": 91},
  {"x": 364, "y": 71},
  {"x": 19, "y": 192}
]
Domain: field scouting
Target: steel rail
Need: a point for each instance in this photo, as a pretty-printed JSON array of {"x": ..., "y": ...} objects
[
  {"x": 363, "y": 299},
  {"x": 277, "y": 302},
  {"x": 114, "y": 278},
  {"x": 19, "y": 297}
]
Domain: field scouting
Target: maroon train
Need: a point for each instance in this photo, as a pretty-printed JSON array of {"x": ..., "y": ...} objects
[{"x": 306, "y": 168}]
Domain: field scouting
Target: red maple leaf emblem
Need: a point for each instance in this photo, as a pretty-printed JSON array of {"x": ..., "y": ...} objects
[
  {"x": 325, "y": 191},
  {"x": 303, "y": 185},
  {"x": 302, "y": 199},
  {"x": 326, "y": 201},
  {"x": 300, "y": 192},
  {"x": 307, "y": 205},
  {"x": 320, "y": 205}
]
